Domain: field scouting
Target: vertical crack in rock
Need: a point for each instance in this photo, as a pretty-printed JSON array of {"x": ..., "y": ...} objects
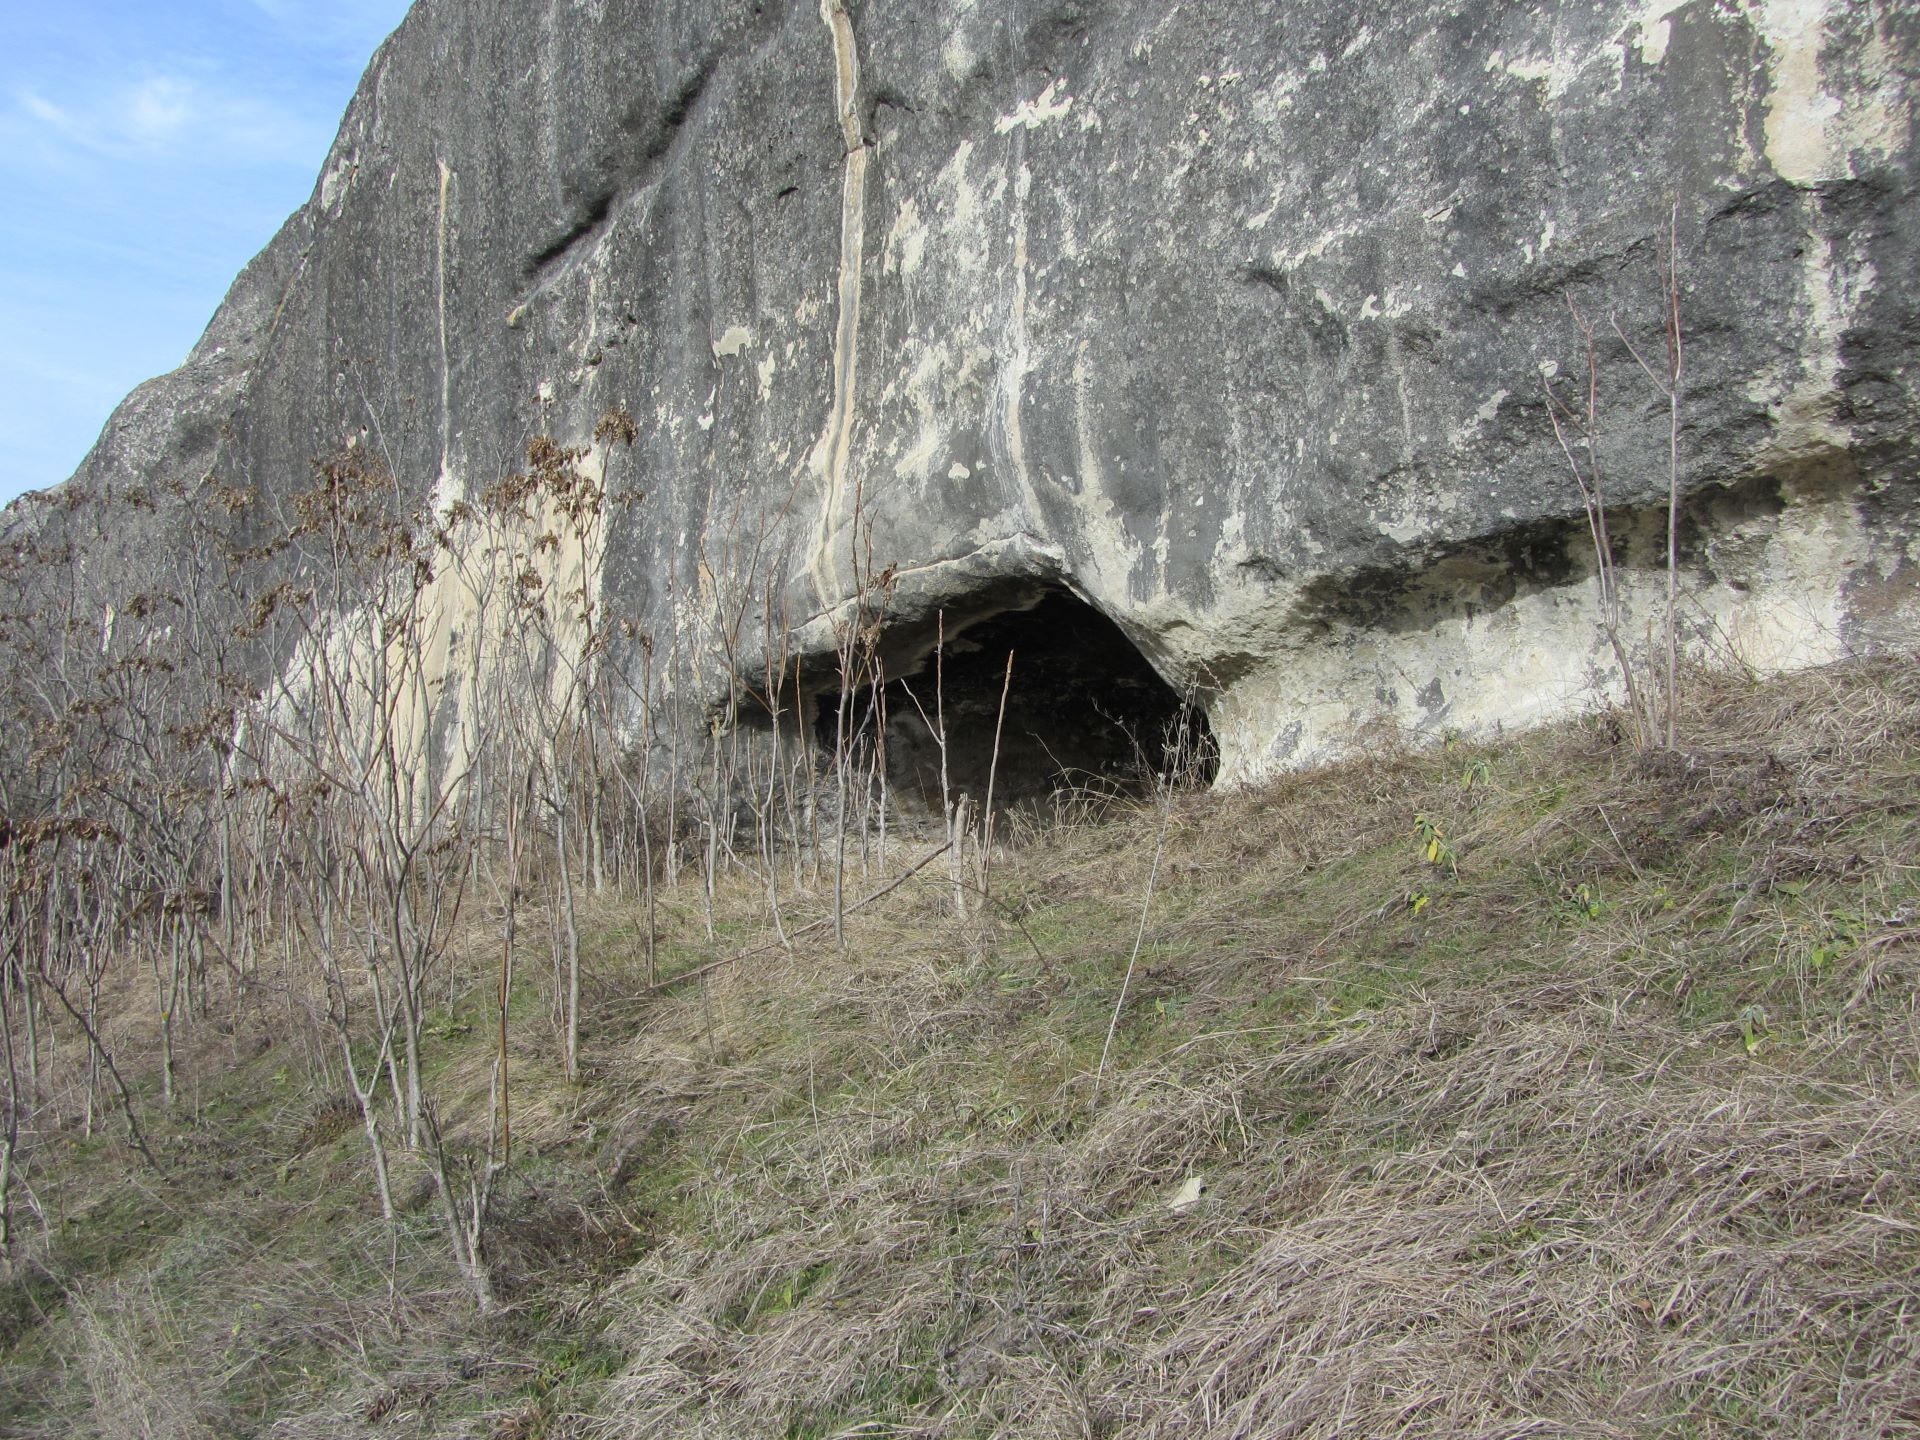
[
  {"x": 1013, "y": 378},
  {"x": 830, "y": 455},
  {"x": 443, "y": 486},
  {"x": 846, "y": 73}
]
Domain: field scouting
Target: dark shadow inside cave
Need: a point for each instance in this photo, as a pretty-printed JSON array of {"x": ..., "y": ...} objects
[{"x": 1084, "y": 712}]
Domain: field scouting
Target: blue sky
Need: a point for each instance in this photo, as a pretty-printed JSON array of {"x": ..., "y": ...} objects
[{"x": 148, "y": 149}]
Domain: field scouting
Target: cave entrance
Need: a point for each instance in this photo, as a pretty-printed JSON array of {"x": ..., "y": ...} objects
[{"x": 1084, "y": 712}]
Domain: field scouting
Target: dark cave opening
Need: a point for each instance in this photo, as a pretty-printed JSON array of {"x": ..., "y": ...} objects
[{"x": 1084, "y": 712}]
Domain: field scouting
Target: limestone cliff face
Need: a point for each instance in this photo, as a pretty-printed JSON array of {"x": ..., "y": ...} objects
[{"x": 1229, "y": 318}]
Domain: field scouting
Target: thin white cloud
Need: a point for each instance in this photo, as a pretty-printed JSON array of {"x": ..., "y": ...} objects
[
  {"x": 158, "y": 111},
  {"x": 149, "y": 114},
  {"x": 170, "y": 114},
  {"x": 46, "y": 113},
  {"x": 349, "y": 25}
]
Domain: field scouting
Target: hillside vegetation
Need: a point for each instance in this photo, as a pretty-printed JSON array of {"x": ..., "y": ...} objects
[{"x": 1539, "y": 1087}]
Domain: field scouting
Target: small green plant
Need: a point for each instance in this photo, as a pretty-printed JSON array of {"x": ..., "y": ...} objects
[
  {"x": 1476, "y": 773},
  {"x": 1434, "y": 843},
  {"x": 1585, "y": 902},
  {"x": 1843, "y": 932},
  {"x": 554, "y": 1370},
  {"x": 1418, "y": 900},
  {"x": 790, "y": 1291},
  {"x": 1754, "y": 1030}
]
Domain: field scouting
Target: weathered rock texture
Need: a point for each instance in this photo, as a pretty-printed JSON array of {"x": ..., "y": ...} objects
[{"x": 1229, "y": 318}]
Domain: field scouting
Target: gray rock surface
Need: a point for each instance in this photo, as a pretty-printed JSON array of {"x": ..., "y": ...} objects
[{"x": 1229, "y": 318}]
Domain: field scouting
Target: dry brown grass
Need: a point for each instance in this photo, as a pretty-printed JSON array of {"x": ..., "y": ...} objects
[
  {"x": 1505, "y": 1168},
  {"x": 1483, "y": 1146}
]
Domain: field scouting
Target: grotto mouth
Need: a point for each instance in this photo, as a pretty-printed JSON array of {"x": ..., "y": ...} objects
[{"x": 1085, "y": 713}]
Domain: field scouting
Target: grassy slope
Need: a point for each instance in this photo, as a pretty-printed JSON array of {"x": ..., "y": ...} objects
[{"x": 1615, "y": 1131}]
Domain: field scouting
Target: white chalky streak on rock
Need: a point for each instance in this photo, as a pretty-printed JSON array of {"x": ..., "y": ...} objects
[
  {"x": 906, "y": 242},
  {"x": 1014, "y": 378},
  {"x": 1652, "y": 30},
  {"x": 830, "y": 454},
  {"x": 1110, "y": 553},
  {"x": 1808, "y": 137},
  {"x": 1778, "y": 601},
  {"x": 443, "y": 485},
  {"x": 1525, "y": 67},
  {"x": 1798, "y": 112},
  {"x": 956, "y": 55},
  {"x": 1032, "y": 114},
  {"x": 337, "y": 181},
  {"x": 1811, "y": 132},
  {"x": 1092, "y": 481},
  {"x": 465, "y": 634},
  {"x": 1804, "y": 424}
]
